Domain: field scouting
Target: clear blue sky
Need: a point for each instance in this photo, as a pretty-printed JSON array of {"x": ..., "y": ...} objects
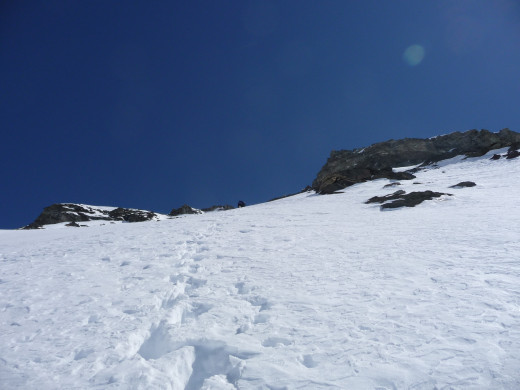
[{"x": 153, "y": 104}]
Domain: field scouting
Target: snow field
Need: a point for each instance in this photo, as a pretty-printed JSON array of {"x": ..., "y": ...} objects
[{"x": 307, "y": 292}]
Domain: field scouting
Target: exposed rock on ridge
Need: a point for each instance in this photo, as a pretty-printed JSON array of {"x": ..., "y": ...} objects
[
  {"x": 131, "y": 215},
  {"x": 70, "y": 212},
  {"x": 347, "y": 167},
  {"x": 184, "y": 209},
  {"x": 74, "y": 213}
]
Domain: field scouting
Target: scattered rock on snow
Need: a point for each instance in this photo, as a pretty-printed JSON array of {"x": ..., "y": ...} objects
[
  {"x": 513, "y": 151},
  {"x": 513, "y": 154},
  {"x": 392, "y": 184},
  {"x": 463, "y": 184},
  {"x": 381, "y": 199},
  {"x": 401, "y": 199}
]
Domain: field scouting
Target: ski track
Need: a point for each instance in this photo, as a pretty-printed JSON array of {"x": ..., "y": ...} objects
[{"x": 314, "y": 292}]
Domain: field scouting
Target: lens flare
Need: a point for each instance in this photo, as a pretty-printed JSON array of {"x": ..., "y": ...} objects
[{"x": 414, "y": 55}]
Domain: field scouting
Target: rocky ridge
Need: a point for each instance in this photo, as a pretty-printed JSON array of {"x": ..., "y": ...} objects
[
  {"x": 343, "y": 168},
  {"x": 347, "y": 167},
  {"x": 74, "y": 213}
]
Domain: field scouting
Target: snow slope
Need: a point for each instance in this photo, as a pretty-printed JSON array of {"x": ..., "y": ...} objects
[{"x": 307, "y": 292}]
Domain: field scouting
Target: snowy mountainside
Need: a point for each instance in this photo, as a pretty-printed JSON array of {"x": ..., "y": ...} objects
[{"x": 306, "y": 292}]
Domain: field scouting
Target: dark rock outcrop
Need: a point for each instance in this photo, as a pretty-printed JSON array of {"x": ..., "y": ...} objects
[
  {"x": 389, "y": 174},
  {"x": 337, "y": 182},
  {"x": 513, "y": 154},
  {"x": 463, "y": 184},
  {"x": 381, "y": 199},
  {"x": 63, "y": 212},
  {"x": 185, "y": 209},
  {"x": 513, "y": 151},
  {"x": 333, "y": 183},
  {"x": 402, "y": 199},
  {"x": 392, "y": 184},
  {"x": 73, "y": 213},
  {"x": 130, "y": 215},
  {"x": 347, "y": 167}
]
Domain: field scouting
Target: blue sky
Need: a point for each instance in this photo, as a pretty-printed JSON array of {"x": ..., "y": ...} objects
[{"x": 153, "y": 104}]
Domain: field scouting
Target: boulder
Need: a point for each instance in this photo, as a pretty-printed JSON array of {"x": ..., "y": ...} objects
[{"x": 463, "y": 184}]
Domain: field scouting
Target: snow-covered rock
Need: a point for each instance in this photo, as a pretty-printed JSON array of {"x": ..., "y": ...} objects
[{"x": 74, "y": 213}]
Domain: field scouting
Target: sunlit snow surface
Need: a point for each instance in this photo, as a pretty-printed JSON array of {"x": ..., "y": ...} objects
[{"x": 308, "y": 292}]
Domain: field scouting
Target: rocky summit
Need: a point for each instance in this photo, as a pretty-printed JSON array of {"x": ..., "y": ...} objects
[{"x": 348, "y": 167}]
